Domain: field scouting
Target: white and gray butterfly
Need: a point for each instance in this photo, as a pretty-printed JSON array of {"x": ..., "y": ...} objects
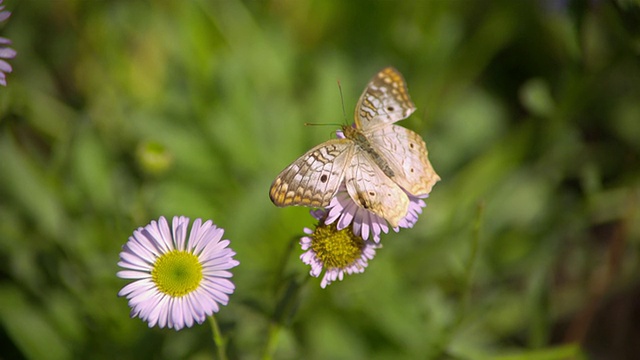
[{"x": 377, "y": 160}]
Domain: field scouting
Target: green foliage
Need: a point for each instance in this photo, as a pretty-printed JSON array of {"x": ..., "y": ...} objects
[{"x": 118, "y": 112}]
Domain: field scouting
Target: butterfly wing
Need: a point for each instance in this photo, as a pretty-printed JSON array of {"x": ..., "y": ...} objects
[
  {"x": 385, "y": 100},
  {"x": 314, "y": 178},
  {"x": 371, "y": 189},
  {"x": 406, "y": 154}
]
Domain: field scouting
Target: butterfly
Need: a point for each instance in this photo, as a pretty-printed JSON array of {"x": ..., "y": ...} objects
[{"x": 379, "y": 162}]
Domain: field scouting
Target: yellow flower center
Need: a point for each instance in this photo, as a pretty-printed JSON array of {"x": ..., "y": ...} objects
[
  {"x": 336, "y": 248},
  {"x": 177, "y": 273}
]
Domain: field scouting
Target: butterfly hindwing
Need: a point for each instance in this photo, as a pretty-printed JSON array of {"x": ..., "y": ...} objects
[{"x": 371, "y": 189}]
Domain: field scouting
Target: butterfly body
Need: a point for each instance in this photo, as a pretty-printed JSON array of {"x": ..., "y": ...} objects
[
  {"x": 378, "y": 161},
  {"x": 362, "y": 144}
]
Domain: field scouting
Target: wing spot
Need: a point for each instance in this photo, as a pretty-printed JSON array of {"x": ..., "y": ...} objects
[
  {"x": 411, "y": 145},
  {"x": 372, "y": 193},
  {"x": 324, "y": 178},
  {"x": 390, "y": 108}
]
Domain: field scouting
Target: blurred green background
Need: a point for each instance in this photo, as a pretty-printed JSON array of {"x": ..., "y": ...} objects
[{"x": 118, "y": 112}]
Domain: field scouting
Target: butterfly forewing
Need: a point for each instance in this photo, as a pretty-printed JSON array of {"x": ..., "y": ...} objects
[
  {"x": 385, "y": 100},
  {"x": 314, "y": 178}
]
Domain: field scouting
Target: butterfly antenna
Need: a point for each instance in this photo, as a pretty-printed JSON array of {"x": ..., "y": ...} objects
[{"x": 344, "y": 113}]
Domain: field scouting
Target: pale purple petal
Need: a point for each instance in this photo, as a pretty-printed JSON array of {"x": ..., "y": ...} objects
[
  {"x": 4, "y": 15},
  {"x": 5, "y": 67},
  {"x": 163, "y": 235},
  {"x": 7, "y": 53},
  {"x": 131, "y": 274},
  {"x": 179, "y": 227}
]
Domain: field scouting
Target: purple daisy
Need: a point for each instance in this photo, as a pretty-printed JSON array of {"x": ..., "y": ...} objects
[
  {"x": 5, "y": 51},
  {"x": 338, "y": 252},
  {"x": 176, "y": 281}
]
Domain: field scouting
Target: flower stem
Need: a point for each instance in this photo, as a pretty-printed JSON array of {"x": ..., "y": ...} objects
[
  {"x": 272, "y": 340},
  {"x": 468, "y": 276},
  {"x": 288, "y": 292},
  {"x": 221, "y": 344}
]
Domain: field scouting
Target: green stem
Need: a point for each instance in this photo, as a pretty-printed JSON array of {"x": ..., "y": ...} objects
[
  {"x": 221, "y": 344},
  {"x": 468, "y": 276},
  {"x": 285, "y": 260},
  {"x": 272, "y": 340},
  {"x": 284, "y": 311}
]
